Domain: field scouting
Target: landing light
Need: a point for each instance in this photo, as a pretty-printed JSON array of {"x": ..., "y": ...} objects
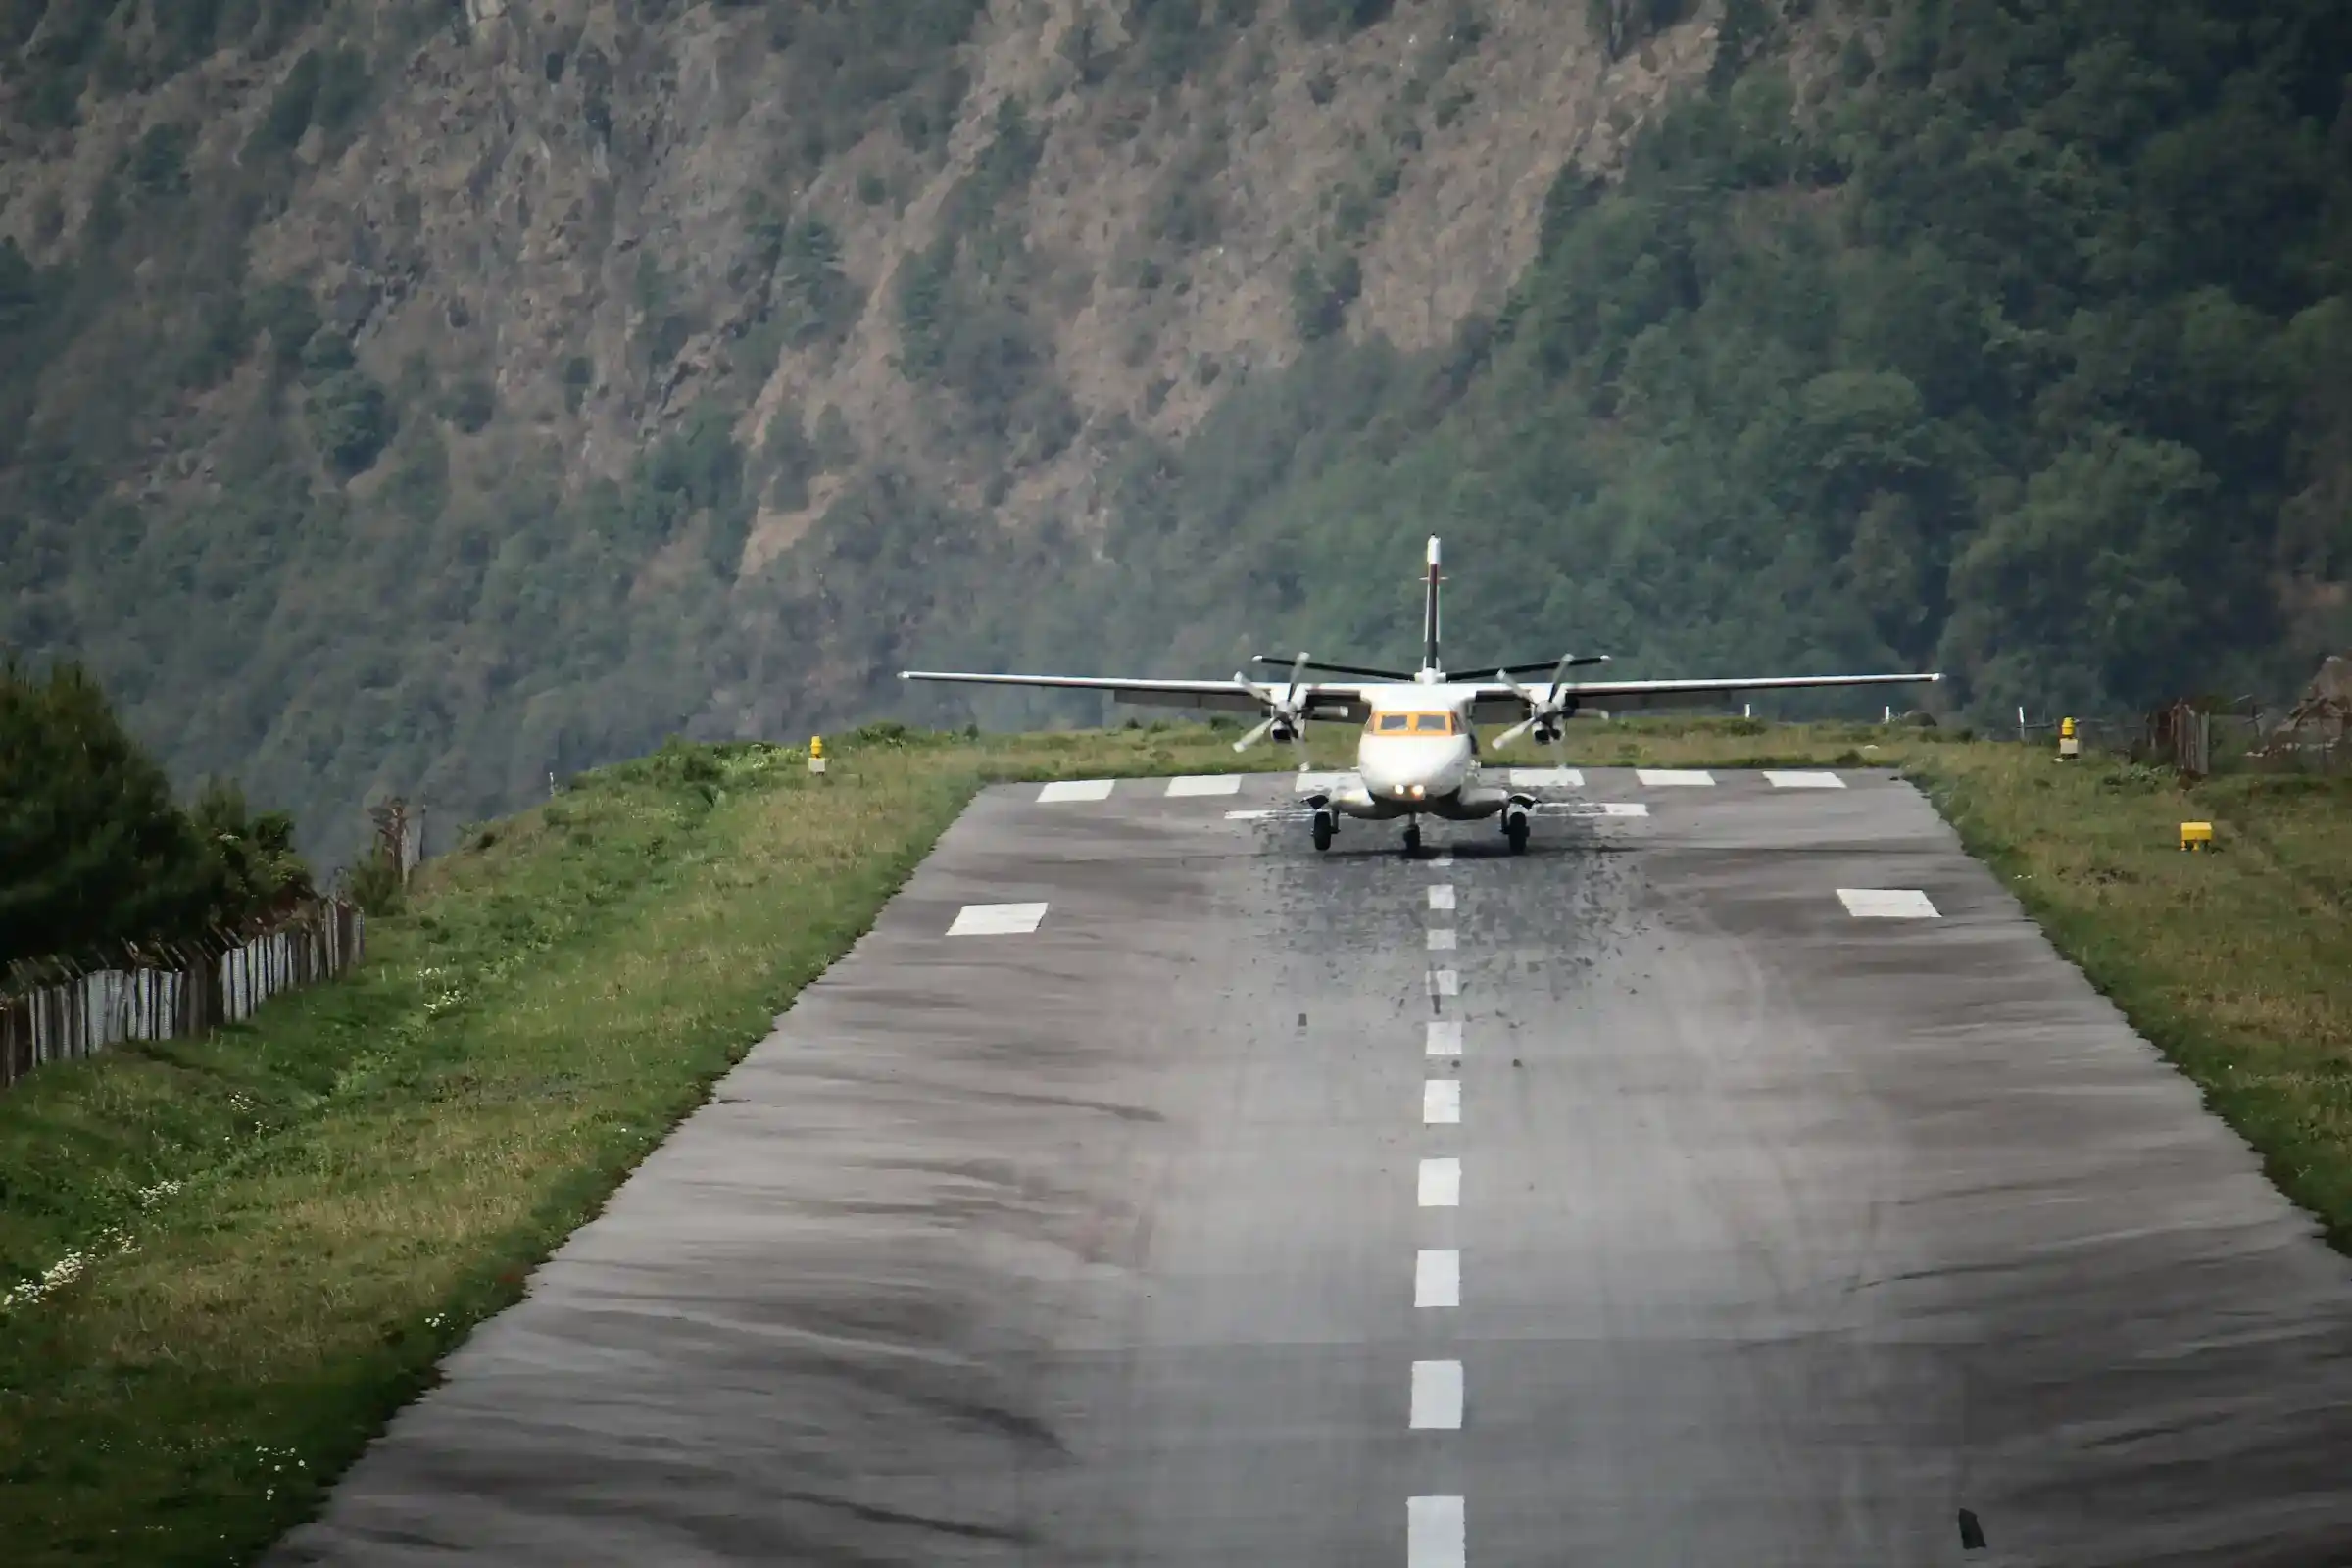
[{"x": 1417, "y": 792}]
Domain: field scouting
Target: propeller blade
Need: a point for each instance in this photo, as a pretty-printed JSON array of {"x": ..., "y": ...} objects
[{"x": 1513, "y": 733}]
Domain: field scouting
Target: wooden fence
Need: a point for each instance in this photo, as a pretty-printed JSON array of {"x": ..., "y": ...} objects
[{"x": 186, "y": 995}]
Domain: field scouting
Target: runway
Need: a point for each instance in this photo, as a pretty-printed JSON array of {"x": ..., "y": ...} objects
[{"x": 1738, "y": 1180}]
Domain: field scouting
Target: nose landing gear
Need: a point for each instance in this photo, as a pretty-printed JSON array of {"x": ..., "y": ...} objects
[
  {"x": 1412, "y": 837},
  {"x": 1514, "y": 828},
  {"x": 1324, "y": 824}
]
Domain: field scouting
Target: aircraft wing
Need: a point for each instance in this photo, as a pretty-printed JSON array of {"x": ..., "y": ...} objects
[
  {"x": 1498, "y": 704},
  {"x": 1324, "y": 702}
]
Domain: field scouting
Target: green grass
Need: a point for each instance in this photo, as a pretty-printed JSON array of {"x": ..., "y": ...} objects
[{"x": 286, "y": 1225}]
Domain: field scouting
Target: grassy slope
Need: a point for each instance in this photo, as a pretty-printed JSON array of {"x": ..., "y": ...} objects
[{"x": 372, "y": 1167}]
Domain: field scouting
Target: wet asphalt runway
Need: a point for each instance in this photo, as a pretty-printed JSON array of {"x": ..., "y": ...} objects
[{"x": 1629, "y": 1202}]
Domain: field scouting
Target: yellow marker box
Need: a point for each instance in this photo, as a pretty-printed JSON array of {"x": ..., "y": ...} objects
[
  {"x": 2196, "y": 835},
  {"x": 816, "y": 753}
]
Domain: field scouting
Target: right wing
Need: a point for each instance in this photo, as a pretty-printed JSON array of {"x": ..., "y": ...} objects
[{"x": 1323, "y": 702}]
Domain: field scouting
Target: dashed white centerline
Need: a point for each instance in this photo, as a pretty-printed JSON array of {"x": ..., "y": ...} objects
[
  {"x": 1535, "y": 778},
  {"x": 1441, "y": 897},
  {"x": 1440, "y": 1184},
  {"x": 1673, "y": 777},
  {"x": 1446, "y": 1038},
  {"x": 1436, "y": 1533},
  {"x": 1440, "y": 940},
  {"x": 1445, "y": 983},
  {"x": 997, "y": 919},
  {"x": 1438, "y": 1279},
  {"x": 1445, "y": 858},
  {"x": 1323, "y": 783},
  {"x": 1206, "y": 784},
  {"x": 1888, "y": 903},
  {"x": 1441, "y": 1102},
  {"x": 1077, "y": 789},
  {"x": 1436, "y": 1396},
  {"x": 1802, "y": 779}
]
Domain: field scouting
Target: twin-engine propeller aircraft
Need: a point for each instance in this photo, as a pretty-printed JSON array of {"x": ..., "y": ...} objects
[{"x": 1419, "y": 754}]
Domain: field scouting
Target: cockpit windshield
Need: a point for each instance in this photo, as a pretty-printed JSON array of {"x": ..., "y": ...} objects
[{"x": 1440, "y": 724}]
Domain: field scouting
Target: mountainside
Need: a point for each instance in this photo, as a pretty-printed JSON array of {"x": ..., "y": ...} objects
[{"x": 405, "y": 394}]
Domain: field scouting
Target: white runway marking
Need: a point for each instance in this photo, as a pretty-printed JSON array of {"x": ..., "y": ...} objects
[
  {"x": 1888, "y": 903},
  {"x": 1436, "y": 1396},
  {"x": 1077, "y": 789},
  {"x": 1445, "y": 983},
  {"x": 1802, "y": 780},
  {"x": 1441, "y": 941},
  {"x": 1436, "y": 1533},
  {"x": 1438, "y": 1279},
  {"x": 1536, "y": 778},
  {"x": 1206, "y": 784},
  {"x": 1658, "y": 778},
  {"x": 1613, "y": 808},
  {"x": 1440, "y": 1184},
  {"x": 1446, "y": 1038},
  {"x": 1324, "y": 783},
  {"x": 1441, "y": 897},
  {"x": 1441, "y": 1102},
  {"x": 997, "y": 919},
  {"x": 1261, "y": 816},
  {"x": 1445, "y": 858}
]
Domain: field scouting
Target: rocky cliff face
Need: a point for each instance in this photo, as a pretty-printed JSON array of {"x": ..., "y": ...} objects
[{"x": 427, "y": 273}]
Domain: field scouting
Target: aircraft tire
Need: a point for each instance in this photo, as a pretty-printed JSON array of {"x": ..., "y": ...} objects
[
  {"x": 1514, "y": 828},
  {"x": 1323, "y": 826}
]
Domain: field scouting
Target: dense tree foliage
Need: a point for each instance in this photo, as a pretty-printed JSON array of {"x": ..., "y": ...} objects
[{"x": 94, "y": 853}]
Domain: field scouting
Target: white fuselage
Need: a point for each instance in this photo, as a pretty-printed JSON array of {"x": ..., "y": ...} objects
[{"x": 1419, "y": 754}]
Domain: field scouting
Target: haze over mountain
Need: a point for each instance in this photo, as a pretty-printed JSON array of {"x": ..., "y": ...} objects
[{"x": 407, "y": 395}]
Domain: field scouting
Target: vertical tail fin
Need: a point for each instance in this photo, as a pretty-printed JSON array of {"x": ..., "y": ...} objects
[{"x": 1429, "y": 613}]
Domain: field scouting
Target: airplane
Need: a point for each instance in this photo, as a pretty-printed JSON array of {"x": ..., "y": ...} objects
[{"x": 1419, "y": 752}]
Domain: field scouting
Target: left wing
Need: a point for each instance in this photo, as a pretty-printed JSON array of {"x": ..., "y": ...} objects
[
  {"x": 1497, "y": 702},
  {"x": 1315, "y": 699}
]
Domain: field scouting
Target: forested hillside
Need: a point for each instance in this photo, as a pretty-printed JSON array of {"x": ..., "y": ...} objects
[{"x": 397, "y": 394}]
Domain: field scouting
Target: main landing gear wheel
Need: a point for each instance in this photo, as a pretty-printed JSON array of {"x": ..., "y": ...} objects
[
  {"x": 1514, "y": 828},
  {"x": 1323, "y": 826},
  {"x": 1412, "y": 839}
]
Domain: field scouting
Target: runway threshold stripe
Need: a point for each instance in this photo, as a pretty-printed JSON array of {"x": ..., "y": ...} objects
[
  {"x": 1888, "y": 903},
  {"x": 1440, "y": 1184},
  {"x": 1441, "y": 897},
  {"x": 1440, "y": 940},
  {"x": 1445, "y": 983},
  {"x": 1436, "y": 1533},
  {"x": 1802, "y": 779},
  {"x": 1441, "y": 1102},
  {"x": 1674, "y": 777},
  {"x": 1436, "y": 1396},
  {"x": 1446, "y": 1038},
  {"x": 1205, "y": 784},
  {"x": 1080, "y": 789},
  {"x": 997, "y": 919},
  {"x": 1438, "y": 1279}
]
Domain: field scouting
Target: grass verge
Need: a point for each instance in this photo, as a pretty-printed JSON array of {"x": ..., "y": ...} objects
[{"x": 259, "y": 1245}]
